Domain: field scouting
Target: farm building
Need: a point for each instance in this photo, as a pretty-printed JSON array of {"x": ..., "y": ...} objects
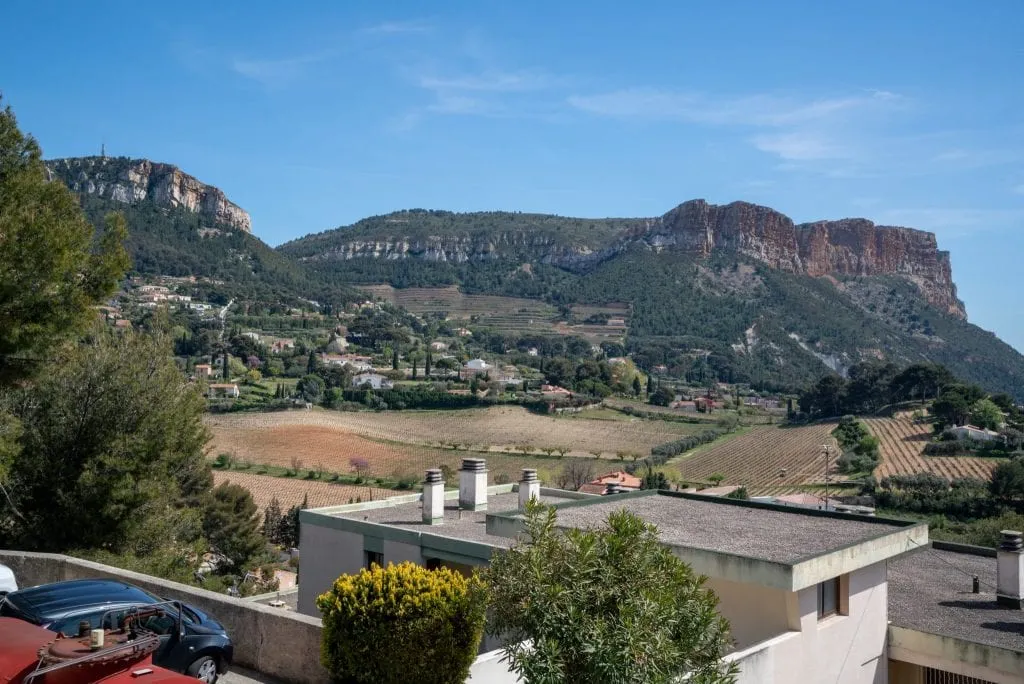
[
  {"x": 203, "y": 370},
  {"x": 475, "y": 367},
  {"x": 374, "y": 380},
  {"x": 976, "y": 433},
  {"x": 811, "y": 596},
  {"x": 221, "y": 390},
  {"x": 620, "y": 480}
]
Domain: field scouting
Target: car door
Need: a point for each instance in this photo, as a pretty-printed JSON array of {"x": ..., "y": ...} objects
[{"x": 166, "y": 627}]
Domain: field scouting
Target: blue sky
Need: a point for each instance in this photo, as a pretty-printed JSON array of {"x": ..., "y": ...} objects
[{"x": 314, "y": 115}]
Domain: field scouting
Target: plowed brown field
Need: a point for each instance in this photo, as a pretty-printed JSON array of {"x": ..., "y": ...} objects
[
  {"x": 902, "y": 441},
  {"x": 290, "y": 492}
]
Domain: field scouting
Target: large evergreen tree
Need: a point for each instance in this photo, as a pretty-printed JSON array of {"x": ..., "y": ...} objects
[{"x": 53, "y": 265}]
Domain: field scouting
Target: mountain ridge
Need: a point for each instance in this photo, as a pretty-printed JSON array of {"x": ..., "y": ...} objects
[{"x": 852, "y": 246}]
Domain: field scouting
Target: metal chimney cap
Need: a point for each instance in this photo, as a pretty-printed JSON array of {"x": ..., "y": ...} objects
[
  {"x": 529, "y": 475},
  {"x": 1012, "y": 540},
  {"x": 474, "y": 464},
  {"x": 433, "y": 476}
]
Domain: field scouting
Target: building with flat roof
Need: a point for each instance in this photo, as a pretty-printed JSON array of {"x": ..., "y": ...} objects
[
  {"x": 805, "y": 591},
  {"x": 947, "y": 627}
]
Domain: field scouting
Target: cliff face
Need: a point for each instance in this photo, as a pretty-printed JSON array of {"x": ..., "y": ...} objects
[
  {"x": 134, "y": 180},
  {"x": 844, "y": 247},
  {"x": 824, "y": 248}
]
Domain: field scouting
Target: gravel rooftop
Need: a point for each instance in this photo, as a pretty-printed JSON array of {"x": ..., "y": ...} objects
[
  {"x": 930, "y": 591},
  {"x": 787, "y": 536},
  {"x": 467, "y": 525}
]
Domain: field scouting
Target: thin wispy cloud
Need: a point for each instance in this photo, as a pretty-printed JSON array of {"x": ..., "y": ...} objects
[
  {"x": 749, "y": 110},
  {"x": 488, "y": 81},
  {"x": 276, "y": 73},
  {"x": 398, "y": 27},
  {"x": 952, "y": 222}
]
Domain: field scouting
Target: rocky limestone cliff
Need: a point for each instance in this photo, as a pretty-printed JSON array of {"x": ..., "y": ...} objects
[
  {"x": 134, "y": 180},
  {"x": 823, "y": 248},
  {"x": 847, "y": 247}
]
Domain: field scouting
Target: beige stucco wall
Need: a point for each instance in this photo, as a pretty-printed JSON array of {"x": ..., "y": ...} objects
[
  {"x": 325, "y": 553},
  {"x": 754, "y": 613},
  {"x": 397, "y": 552},
  {"x": 842, "y": 649}
]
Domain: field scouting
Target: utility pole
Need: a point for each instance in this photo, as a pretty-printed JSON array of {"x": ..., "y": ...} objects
[{"x": 827, "y": 448}]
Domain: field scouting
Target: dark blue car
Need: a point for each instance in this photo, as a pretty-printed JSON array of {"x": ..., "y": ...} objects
[{"x": 192, "y": 642}]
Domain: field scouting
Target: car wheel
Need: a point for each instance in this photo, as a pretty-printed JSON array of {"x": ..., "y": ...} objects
[{"x": 204, "y": 669}]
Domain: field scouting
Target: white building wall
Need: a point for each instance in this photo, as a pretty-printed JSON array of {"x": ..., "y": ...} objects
[
  {"x": 754, "y": 613},
  {"x": 325, "y": 554}
]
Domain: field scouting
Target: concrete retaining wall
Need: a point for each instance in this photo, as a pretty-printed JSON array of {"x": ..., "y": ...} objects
[{"x": 281, "y": 645}]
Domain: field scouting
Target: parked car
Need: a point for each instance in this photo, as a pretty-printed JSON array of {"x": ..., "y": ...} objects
[
  {"x": 192, "y": 642},
  {"x": 7, "y": 581}
]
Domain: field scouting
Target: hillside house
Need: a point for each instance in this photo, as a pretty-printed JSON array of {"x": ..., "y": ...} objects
[
  {"x": 509, "y": 375},
  {"x": 554, "y": 392},
  {"x": 223, "y": 390},
  {"x": 532, "y": 351},
  {"x": 620, "y": 481},
  {"x": 475, "y": 367},
  {"x": 356, "y": 362},
  {"x": 203, "y": 370},
  {"x": 254, "y": 336},
  {"x": 282, "y": 345},
  {"x": 438, "y": 346},
  {"x": 463, "y": 332},
  {"x": 974, "y": 433},
  {"x": 374, "y": 380},
  {"x": 812, "y": 596}
]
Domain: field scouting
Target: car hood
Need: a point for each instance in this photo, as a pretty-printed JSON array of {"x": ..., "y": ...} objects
[{"x": 206, "y": 622}]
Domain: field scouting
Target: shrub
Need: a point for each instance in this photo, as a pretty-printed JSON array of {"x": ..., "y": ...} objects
[{"x": 402, "y": 623}]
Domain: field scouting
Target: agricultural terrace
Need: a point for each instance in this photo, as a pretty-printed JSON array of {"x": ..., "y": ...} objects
[
  {"x": 291, "y": 492},
  {"x": 766, "y": 459},
  {"x": 509, "y": 314},
  {"x": 901, "y": 442}
]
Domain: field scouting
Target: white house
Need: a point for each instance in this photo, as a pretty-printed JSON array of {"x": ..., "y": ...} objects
[
  {"x": 375, "y": 380},
  {"x": 438, "y": 346},
  {"x": 229, "y": 390},
  {"x": 813, "y": 597},
  {"x": 976, "y": 433},
  {"x": 475, "y": 367}
]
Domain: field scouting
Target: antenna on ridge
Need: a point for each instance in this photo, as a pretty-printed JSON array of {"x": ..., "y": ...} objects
[{"x": 103, "y": 150}]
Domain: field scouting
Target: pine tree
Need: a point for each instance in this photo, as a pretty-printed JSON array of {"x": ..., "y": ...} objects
[
  {"x": 426, "y": 365},
  {"x": 636, "y": 386},
  {"x": 394, "y": 359},
  {"x": 311, "y": 363}
]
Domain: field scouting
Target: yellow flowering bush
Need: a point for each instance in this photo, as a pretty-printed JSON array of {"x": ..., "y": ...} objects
[{"x": 402, "y": 623}]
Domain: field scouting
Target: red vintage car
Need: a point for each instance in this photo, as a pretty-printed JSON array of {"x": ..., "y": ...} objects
[{"x": 32, "y": 655}]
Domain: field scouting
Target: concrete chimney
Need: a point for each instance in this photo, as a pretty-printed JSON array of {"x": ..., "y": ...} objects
[
  {"x": 433, "y": 497},
  {"x": 529, "y": 487},
  {"x": 1010, "y": 570},
  {"x": 473, "y": 484}
]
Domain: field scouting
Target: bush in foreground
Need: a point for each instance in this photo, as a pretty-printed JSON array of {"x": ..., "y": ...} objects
[
  {"x": 609, "y": 605},
  {"x": 402, "y": 623}
]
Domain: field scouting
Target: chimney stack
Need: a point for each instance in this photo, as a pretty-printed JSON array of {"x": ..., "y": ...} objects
[
  {"x": 529, "y": 487},
  {"x": 433, "y": 497},
  {"x": 473, "y": 484},
  {"x": 1010, "y": 570}
]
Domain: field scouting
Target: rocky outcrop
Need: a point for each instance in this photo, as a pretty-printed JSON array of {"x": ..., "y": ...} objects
[
  {"x": 844, "y": 247},
  {"x": 848, "y": 247},
  {"x": 134, "y": 180}
]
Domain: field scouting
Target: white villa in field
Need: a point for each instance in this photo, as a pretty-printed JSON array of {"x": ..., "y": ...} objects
[{"x": 374, "y": 380}]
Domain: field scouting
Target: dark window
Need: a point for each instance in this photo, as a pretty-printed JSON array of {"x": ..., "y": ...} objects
[
  {"x": 942, "y": 677},
  {"x": 433, "y": 563},
  {"x": 374, "y": 557},
  {"x": 69, "y": 626},
  {"x": 828, "y": 598}
]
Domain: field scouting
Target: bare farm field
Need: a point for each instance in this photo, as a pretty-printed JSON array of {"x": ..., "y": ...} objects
[
  {"x": 291, "y": 492},
  {"x": 498, "y": 429},
  {"x": 765, "y": 459},
  {"x": 902, "y": 442}
]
